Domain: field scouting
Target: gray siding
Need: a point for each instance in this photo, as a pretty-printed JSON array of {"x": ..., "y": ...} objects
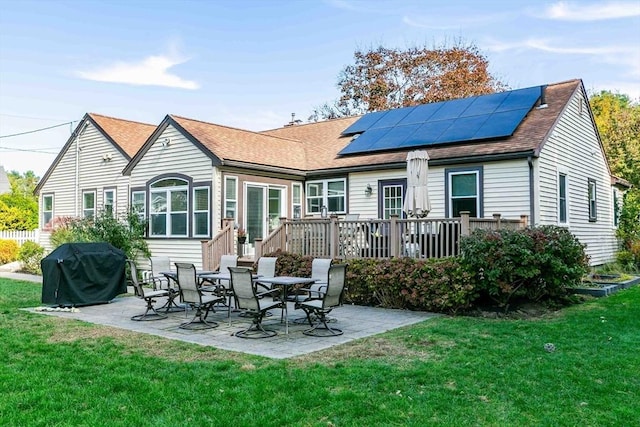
[
  {"x": 574, "y": 149},
  {"x": 180, "y": 156},
  {"x": 93, "y": 173}
]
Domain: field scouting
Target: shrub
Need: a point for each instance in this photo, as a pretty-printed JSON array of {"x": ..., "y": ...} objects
[
  {"x": 30, "y": 255},
  {"x": 8, "y": 251},
  {"x": 435, "y": 285},
  {"x": 125, "y": 233},
  {"x": 441, "y": 285},
  {"x": 533, "y": 263}
]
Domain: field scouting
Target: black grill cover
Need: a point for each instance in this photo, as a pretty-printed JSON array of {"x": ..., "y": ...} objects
[{"x": 83, "y": 274}]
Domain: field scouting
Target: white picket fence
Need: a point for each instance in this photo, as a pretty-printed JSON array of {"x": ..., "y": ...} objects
[{"x": 20, "y": 236}]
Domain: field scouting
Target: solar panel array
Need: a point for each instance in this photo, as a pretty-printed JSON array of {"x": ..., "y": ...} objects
[{"x": 467, "y": 119}]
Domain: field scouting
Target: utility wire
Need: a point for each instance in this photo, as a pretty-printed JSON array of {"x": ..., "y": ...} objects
[
  {"x": 32, "y": 150},
  {"x": 36, "y": 130}
]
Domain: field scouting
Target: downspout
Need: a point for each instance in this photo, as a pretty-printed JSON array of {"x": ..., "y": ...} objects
[
  {"x": 77, "y": 173},
  {"x": 532, "y": 193}
]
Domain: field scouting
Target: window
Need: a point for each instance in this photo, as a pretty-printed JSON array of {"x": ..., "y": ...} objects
[
  {"x": 616, "y": 208},
  {"x": 329, "y": 193},
  {"x": 89, "y": 204},
  {"x": 138, "y": 205},
  {"x": 562, "y": 198},
  {"x": 230, "y": 197},
  {"x": 169, "y": 207},
  {"x": 593, "y": 214},
  {"x": 109, "y": 203},
  {"x": 47, "y": 209},
  {"x": 464, "y": 192},
  {"x": 201, "y": 215},
  {"x": 391, "y": 198},
  {"x": 296, "y": 200}
]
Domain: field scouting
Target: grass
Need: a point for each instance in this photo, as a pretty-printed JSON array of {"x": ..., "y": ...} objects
[{"x": 445, "y": 371}]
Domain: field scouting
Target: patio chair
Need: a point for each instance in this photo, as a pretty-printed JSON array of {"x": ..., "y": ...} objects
[
  {"x": 266, "y": 268},
  {"x": 250, "y": 300},
  {"x": 319, "y": 271},
  {"x": 159, "y": 265},
  {"x": 148, "y": 296},
  {"x": 317, "y": 309},
  {"x": 193, "y": 296}
]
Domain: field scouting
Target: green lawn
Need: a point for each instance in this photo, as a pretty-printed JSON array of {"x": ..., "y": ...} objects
[{"x": 445, "y": 371}]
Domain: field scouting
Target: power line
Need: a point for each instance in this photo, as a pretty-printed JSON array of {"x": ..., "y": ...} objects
[
  {"x": 35, "y": 130},
  {"x": 32, "y": 150}
]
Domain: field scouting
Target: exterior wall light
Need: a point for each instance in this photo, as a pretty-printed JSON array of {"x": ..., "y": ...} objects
[{"x": 368, "y": 191}]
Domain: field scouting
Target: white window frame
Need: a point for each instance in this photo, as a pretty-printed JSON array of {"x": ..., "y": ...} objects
[
  {"x": 47, "y": 213},
  {"x": 142, "y": 214},
  {"x": 592, "y": 196},
  {"x": 563, "y": 173},
  {"x": 479, "y": 173},
  {"x": 230, "y": 182},
  {"x": 168, "y": 212},
  {"x": 296, "y": 201},
  {"x": 385, "y": 212},
  {"x": 85, "y": 209},
  {"x": 206, "y": 211},
  {"x": 324, "y": 197},
  {"x": 105, "y": 192}
]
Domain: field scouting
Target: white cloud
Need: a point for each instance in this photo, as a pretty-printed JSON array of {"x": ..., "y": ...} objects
[
  {"x": 566, "y": 11},
  {"x": 546, "y": 46},
  {"x": 151, "y": 71}
]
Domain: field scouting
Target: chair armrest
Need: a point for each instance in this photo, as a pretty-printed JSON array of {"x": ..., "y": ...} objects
[{"x": 268, "y": 292}]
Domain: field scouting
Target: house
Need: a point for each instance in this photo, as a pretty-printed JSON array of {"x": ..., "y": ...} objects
[
  {"x": 5, "y": 185},
  {"x": 86, "y": 176},
  {"x": 533, "y": 151}
]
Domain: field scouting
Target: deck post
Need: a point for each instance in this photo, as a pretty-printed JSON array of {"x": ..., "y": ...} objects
[
  {"x": 524, "y": 221},
  {"x": 393, "y": 237},
  {"x": 464, "y": 219},
  {"x": 496, "y": 218},
  {"x": 333, "y": 236}
]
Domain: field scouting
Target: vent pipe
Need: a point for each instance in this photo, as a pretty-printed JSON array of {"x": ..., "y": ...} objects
[{"x": 543, "y": 97}]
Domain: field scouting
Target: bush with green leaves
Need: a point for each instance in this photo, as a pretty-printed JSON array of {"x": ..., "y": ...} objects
[
  {"x": 30, "y": 255},
  {"x": 532, "y": 263},
  {"x": 438, "y": 285},
  {"x": 8, "y": 251},
  {"x": 629, "y": 232},
  {"x": 125, "y": 233}
]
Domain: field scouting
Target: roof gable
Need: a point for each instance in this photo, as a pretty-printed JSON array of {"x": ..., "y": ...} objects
[{"x": 125, "y": 135}]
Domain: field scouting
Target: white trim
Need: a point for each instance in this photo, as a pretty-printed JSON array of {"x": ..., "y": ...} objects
[
  {"x": 224, "y": 196},
  {"x": 194, "y": 211},
  {"x": 84, "y": 207},
  {"x": 325, "y": 195},
  {"x": 563, "y": 172},
  {"x": 113, "y": 200}
]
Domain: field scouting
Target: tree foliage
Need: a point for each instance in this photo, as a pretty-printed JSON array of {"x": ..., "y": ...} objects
[
  {"x": 618, "y": 121},
  {"x": 125, "y": 233},
  {"x": 383, "y": 78},
  {"x": 19, "y": 208}
]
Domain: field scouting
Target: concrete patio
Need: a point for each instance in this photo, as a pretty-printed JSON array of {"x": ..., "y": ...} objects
[{"x": 355, "y": 321}]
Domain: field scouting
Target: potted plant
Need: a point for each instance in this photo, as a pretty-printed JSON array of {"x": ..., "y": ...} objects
[{"x": 242, "y": 236}]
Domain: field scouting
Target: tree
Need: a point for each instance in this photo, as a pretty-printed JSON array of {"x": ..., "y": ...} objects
[
  {"x": 618, "y": 122},
  {"x": 384, "y": 78},
  {"x": 19, "y": 208}
]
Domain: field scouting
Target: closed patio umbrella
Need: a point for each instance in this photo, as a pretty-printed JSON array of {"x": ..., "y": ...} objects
[{"x": 416, "y": 201}]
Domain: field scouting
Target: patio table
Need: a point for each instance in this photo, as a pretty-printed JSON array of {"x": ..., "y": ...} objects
[{"x": 286, "y": 282}]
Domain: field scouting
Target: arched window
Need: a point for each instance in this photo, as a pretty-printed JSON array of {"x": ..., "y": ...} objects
[{"x": 169, "y": 208}]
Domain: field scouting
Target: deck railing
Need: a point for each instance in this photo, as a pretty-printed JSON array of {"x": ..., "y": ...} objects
[
  {"x": 221, "y": 244},
  {"x": 376, "y": 238}
]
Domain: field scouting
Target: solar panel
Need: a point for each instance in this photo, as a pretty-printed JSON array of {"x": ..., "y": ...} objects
[
  {"x": 363, "y": 123},
  {"x": 427, "y": 133},
  {"x": 501, "y": 124},
  {"x": 421, "y": 113},
  {"x": 364, "y": 141},
  {"x": 486, "y": 104},
  {"x": 395, "y": 137},
  {"x": 392, "y": 118},
  {"x": 452, "y": 109},
  {"x": 463, "y": 129},
  {"x": 495, "y": 115},
  {"x": 521, "y": 98}
]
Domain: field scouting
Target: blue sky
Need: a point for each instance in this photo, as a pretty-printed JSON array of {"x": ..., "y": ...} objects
[{"x": 250, "y": 64}]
